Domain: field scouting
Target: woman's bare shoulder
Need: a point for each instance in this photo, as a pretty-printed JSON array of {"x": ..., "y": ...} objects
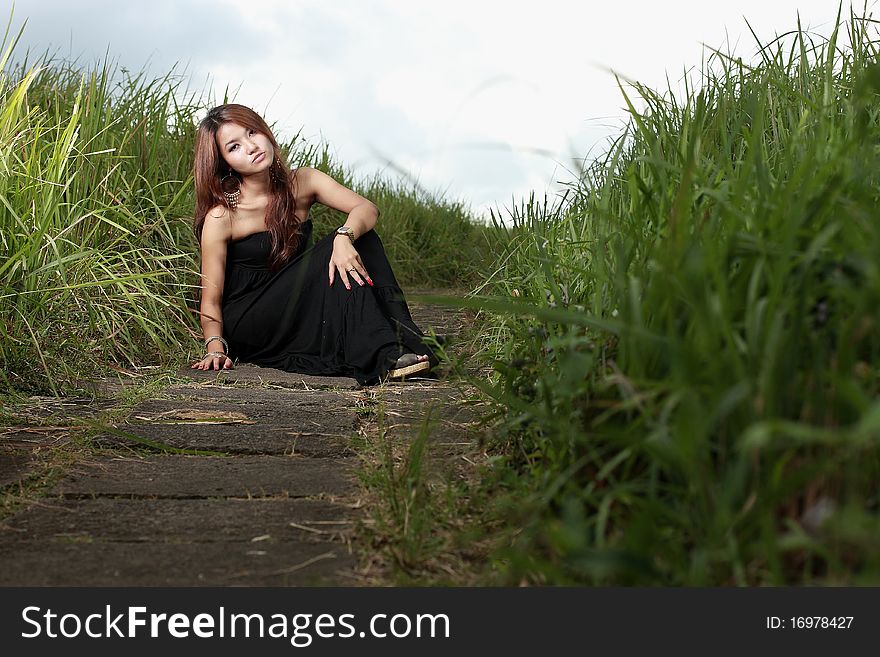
[
  {"x": 218, "y": 224},
  {"x": 301, "y": 174},
  {"x": 303, "y": 185}
]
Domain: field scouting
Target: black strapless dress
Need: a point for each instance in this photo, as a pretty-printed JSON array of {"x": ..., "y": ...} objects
[{"x": 293, "y": 320}]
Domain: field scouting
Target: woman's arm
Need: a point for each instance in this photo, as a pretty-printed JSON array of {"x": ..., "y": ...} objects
[
  {"x": 216, "y": 233},
  {"x": 362, "y": 213},
  {"x": 362, "y": 217}
]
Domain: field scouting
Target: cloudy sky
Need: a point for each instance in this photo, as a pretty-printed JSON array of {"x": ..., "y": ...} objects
[{"x": 478, "y": 100}]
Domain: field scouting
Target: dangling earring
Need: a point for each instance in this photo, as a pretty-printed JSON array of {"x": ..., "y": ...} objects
[{"x": 231, "y": 197}]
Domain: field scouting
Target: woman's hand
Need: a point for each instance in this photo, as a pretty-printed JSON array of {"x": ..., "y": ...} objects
[
  {"x": 213, "y": 361},
  {"x": 346, "y": 261}
]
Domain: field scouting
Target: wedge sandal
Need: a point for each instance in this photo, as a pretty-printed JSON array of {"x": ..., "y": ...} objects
[{"x": 406, "y": 365}]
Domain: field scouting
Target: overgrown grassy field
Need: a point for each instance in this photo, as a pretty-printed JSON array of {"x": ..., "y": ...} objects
[
  {"x": 685, "y": 348},
  {"x": 99, "y": 266}
]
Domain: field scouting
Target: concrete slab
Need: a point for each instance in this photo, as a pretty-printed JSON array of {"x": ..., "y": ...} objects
[
  {"x": 416, "y": 391},
  {"x": 209, "y": 476},
  {"x": 235, "y": 439},
  {"x": 20, "y": 449},
  {"x": 438, "y": 433},
  {"x": 222, "y": 563},
  {"x": 452, "y": 421},
  {"x": 45, "y": 408},
  {"x": 253, "y": 374},
  {"x": 33, "y": 439},
  {"x": 273, "y": 397},
  {"x": 263, "y": 520},
  {"x": 443, "y": 320},
  {"x": 450, "y": 414},
  {"x": 295, "y": 425},
  {"x": 15, "y": 465}
]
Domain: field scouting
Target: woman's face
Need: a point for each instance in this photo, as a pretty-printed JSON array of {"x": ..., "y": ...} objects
[{"x": 244, "y": 149}]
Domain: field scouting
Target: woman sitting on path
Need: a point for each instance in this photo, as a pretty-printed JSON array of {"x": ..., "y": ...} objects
[{"x": 271, "y": 297}]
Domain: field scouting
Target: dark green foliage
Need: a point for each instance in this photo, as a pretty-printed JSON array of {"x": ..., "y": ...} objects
[{"x": 694, "y": 398}]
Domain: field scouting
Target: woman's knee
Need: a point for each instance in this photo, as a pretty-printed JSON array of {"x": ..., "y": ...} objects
[
  {"x": 370, "y": 237},
  {"x": 370, "y": 247}
]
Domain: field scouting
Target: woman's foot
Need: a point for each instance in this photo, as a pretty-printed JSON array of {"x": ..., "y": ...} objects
[{"x": 409, "y": 364}]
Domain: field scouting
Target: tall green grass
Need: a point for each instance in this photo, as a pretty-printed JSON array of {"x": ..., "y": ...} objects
[
  {"x": 99, "y": 268},
  {"x": 687, "y": 355},
  {"x": 94, "y": 222}
]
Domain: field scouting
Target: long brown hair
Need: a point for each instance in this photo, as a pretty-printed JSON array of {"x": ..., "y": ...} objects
[{"x": 210, "y": 169}]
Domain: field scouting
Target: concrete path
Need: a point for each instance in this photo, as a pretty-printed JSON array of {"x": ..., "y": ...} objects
[{"x": 271, "y": 496}]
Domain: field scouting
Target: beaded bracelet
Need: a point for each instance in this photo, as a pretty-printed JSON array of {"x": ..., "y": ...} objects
[
  {"x": 215, "y": 354},
  {"x": 217, "y": 337}
]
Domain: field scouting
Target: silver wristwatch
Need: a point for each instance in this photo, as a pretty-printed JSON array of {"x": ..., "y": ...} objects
[{"x": 345, "y": 230}]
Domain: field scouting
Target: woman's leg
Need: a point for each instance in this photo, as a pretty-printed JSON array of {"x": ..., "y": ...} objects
[{"x": 390, "y": 296}]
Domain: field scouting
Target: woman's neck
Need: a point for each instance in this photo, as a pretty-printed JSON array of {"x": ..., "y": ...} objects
[{"x": 256, "y": 185}]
